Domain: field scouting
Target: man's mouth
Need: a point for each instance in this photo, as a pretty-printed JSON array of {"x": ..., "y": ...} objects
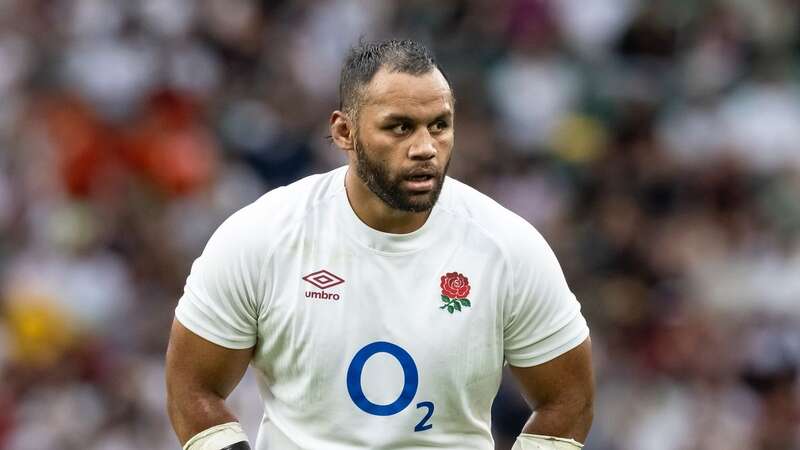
[{"x": 420, "y": 182}]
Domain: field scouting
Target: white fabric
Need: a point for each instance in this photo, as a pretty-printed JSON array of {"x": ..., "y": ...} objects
[
  {"x": 539, "y": 442},
  {"x": 217, "y": 437},
  {"x": 247, "y": 289}
]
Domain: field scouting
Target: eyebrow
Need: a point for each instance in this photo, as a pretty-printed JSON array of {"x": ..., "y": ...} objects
[{"x": 404, "y": 118}]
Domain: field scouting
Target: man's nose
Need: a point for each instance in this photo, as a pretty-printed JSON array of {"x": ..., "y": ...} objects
[{"x": 423, "y": 147}]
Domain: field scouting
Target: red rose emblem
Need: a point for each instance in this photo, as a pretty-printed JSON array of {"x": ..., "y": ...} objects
[{"x": 455, "y": 285}]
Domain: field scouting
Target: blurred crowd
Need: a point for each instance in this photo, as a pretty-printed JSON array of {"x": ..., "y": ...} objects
[{"x": 654, "y": 143}]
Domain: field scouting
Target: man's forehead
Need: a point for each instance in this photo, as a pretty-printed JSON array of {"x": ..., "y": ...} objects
[{"x": 397, "y": 90}]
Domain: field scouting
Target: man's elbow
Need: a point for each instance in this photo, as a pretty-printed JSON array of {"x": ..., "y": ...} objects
[
  {"x": 582, "y": 406},
  {"x": 175, "y": 403}
]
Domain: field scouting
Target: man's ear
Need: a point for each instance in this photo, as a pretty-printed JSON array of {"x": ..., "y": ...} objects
[{"x": 342, "y": 130}]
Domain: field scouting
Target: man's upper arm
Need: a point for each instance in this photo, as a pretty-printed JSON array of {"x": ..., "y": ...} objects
[
  {"x": 565, "y": 384},
  {"x": 198, "y": 374},
  {"x": 569, "y": 374},
  {"x": 546, "y": 339},
  {"x": 194, "y": 360}
]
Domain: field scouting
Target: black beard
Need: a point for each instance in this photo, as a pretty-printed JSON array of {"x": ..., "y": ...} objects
[{"x": 389, "y": 189}]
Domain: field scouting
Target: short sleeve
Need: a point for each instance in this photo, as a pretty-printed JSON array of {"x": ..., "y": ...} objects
[
  {"x": 219, "y": 302},
  {"x": 542, "y": 317}
]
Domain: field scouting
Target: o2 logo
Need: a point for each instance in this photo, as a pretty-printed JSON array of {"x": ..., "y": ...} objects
[{"x": 410, "y": 384}]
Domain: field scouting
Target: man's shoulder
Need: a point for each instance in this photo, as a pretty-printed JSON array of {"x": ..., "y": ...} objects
[
  {"x": 280, "y": 208},
  {"x": 475, "y": 206},
  {"x": 297, "y": 197},
  {"x": 507, "y": 229}
]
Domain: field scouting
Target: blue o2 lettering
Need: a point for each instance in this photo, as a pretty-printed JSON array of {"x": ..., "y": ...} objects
[{"x": 410, "y": 383}]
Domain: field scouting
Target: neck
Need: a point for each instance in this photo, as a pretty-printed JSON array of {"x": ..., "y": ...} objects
[{"x": 371, "y": 210}]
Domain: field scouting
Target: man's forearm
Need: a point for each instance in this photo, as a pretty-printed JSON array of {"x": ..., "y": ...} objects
[
  {"x": 571, "y": 421},
  {"x": 192, "y": 411}
]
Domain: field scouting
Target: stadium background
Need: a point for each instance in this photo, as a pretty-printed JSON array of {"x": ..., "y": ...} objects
[{"x": 656, "y": 145}]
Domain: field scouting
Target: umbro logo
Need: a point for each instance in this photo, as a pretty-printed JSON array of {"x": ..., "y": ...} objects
[{"x": 322, "y": 279}]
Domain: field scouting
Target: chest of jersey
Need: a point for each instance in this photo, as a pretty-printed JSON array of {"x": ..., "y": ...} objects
[{"x": 411, "y": 343}]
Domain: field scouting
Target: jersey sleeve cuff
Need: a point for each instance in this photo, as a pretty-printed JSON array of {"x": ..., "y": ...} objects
[
  {"x": 195, "y": 320},
  {"x": 563, "y": 340}
]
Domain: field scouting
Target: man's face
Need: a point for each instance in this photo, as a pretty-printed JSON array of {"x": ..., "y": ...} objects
[{"x": 404, "y": 138}]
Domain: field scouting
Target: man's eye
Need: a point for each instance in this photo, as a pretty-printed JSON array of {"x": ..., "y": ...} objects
[
  {"x": 439, "y": 125},
  {"x": 401, "y": 128}
]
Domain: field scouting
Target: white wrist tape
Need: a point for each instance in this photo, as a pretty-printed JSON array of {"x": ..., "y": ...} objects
[
  {"x": 539, "y": 442},
  {"x": 217, "y": 437}
]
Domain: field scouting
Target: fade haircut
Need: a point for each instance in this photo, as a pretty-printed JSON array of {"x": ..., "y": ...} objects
[{"x": 365, "y": 59}]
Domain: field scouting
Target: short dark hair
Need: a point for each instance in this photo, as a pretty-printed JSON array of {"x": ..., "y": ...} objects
[{"x": 365, "y": 59}]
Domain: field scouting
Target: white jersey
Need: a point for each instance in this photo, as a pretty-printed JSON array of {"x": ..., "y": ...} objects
[{"x": 370, "y": 340}]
